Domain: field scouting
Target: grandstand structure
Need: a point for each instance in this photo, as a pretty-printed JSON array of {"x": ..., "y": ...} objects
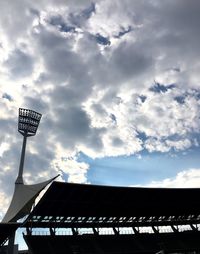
[
  {"x": 78, "y": 218},
  {"x": 89, "y": 219},
  {"x": 88, "y": 211}
]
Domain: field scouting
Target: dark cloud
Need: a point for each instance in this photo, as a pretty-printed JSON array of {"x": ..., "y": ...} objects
[
  {"x": 19, "y": 64},
  {"x": 36, "y": 103},
  {"x": 128, "y": 61},
  {"x": 78, "y": 19},
  {"x": 117, "y": 142},
  {"x": 75, "y": 121},
  {"x": 98, "y": 109},
  {"x": 87, "y": 13},
  {"x": 34, "y": 12},
  {"x": 7, "y": 125},
  {"x": 62, "y": 64},
  {"x": 9, "y": 165},
  {"x": 36, "y": 164}
]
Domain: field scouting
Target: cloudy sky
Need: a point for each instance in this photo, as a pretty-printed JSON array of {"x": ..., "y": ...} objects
[{"x": 117, "y": 83}]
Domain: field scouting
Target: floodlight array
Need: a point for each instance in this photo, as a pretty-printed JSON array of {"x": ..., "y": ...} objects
[{"x": 28, "y": 122}]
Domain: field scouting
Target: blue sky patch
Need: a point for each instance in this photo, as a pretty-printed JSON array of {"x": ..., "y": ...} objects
[
  {"x": 7, "y": 97},
  {"x": 102, "y": 40},
  {"x": 159, "y": 88},
  {"x": 123, "y": 32},
  {"x": 59, "y": 22}
]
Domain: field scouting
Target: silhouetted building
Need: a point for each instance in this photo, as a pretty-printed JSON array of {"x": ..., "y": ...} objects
[
  {"x": 90, "y": 211},
  {"x": 78, "y": 218}
]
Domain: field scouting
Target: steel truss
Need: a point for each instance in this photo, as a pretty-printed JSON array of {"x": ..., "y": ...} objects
[{"x": 95, "y": 223}]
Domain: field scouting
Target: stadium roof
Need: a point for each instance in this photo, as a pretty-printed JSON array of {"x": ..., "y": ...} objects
[{"x": 83, "y": 205}]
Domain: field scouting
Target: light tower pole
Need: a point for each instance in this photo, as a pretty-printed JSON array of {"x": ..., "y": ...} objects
[{"x": 28, "y": 123}]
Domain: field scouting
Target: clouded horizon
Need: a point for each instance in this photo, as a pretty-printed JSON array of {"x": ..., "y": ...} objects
[{"x": 117, "y": 83}]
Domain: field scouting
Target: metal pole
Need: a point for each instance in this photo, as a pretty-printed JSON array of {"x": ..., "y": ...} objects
[{"x": 19, "y": 179}]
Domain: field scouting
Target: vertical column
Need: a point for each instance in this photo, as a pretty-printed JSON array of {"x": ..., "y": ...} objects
[
  {"x": 19, "y": 179},
  {"x": 11, "y": 244}
]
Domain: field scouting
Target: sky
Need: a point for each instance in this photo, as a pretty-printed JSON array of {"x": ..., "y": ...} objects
[{"x": 118, "y": 86}]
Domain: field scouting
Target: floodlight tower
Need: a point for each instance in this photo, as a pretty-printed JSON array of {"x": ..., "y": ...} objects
[
  {"x": 24, "y": 194},
  {"x": 28, "y": 123}
]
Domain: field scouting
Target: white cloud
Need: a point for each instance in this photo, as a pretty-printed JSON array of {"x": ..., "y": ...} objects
[
  {"x": 4, "y": 202},
  {"x": 185, "y": 179},
  {"x": 3, "y": 147},
  {"x": 76, "y": 171},
  {"x": 117, "y": 16}
]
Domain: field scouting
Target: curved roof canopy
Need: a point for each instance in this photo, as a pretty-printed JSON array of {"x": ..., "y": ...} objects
[{"x": 23, "y": 198}]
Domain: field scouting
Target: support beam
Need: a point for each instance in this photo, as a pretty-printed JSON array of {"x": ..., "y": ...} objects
[
  {"x": 95, "y": 231},
  {"x": 116, "y": 231},
  {"x": 136, "y": 231},
  {"x": 28, "y": 231},
  {"x": 155, "y": 229},
  {"x": 175, "y": 229},
  {"x": 194, "y": 227},
  {"x": 74, "y": 231},
  {"x": 52, "y": 231}
]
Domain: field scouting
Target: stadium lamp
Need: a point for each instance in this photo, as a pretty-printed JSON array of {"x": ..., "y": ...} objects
[{"x": 28, "y": 123}]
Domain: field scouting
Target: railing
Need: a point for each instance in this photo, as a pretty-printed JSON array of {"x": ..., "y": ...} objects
[{"x": 111, "y": 231}]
